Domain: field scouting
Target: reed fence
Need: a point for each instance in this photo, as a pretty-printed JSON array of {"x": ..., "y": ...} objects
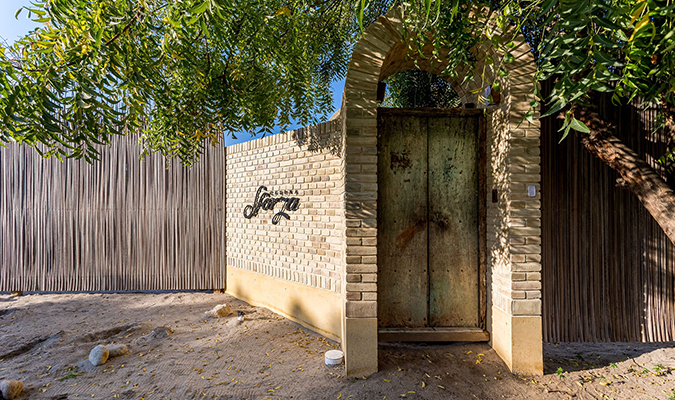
[
  {"x": 607, "y": 267},
  {"x": 119, "y": 224}
]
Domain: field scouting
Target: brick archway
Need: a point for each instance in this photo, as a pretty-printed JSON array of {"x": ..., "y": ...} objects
[{"x": 513, "y": 221}]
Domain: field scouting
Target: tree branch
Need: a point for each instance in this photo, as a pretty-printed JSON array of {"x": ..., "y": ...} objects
[
  {"x": 637, "y": 175},
  {"x": 126, "y": 27}
]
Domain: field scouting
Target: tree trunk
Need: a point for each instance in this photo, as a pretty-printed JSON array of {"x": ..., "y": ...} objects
[{"x": 638, "y": 176}]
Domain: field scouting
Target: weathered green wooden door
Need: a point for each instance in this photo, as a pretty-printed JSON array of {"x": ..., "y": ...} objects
[{"x": 429, "y": 230}]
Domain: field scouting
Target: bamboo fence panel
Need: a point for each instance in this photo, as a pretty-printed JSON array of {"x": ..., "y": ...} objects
[
  {"x": 117, "y": 225},
  {"x": 607, "y": 267}
]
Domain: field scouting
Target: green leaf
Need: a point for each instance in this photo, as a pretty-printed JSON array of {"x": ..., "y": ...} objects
[
  {"x": 557, "y": 106},
  {"x": 642, "y": 24},
  {"x": 578, "y": 126},
  {"x": 18, "y": 119},
  {"x": 668, "y": 35},
  {"x": 669, "y": 48},
  {"x": 621, "y": 35},
  {"x": 638, "y": 11},
  {"x": 605, "y": 42},
  {"x": 455, "y": 9},
  {"x": 567, "y": 131},
  {"x": 16, "y": 14},
  {"x": 605, "y": 23},
  {"x": 606, "y": 60},
  {"x": 51, "y": 127},
  {"x": 528, "y": 117},
  {"x": 547, "y": 6},
  {"x": 194, "y": 19},
  {"x": 509, "y": 58},
  {"x": 37, "y": 11},
  {"x": 199, "y": 9},
  {"x": 600, "y": 87},
  {"x": 99, "y": 35}
]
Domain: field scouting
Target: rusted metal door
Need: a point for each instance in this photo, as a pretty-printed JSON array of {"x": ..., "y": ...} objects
[{"x": 430, "y": 281}]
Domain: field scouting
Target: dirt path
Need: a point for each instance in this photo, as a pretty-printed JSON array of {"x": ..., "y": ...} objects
[{"x": 177, "y": 353}]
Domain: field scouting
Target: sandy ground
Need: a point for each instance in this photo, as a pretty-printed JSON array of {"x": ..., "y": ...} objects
[{"x": 177, "y": 353}]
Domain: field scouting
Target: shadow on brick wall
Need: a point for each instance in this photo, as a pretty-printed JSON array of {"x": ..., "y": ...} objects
[{"x": 326, "y": 136}]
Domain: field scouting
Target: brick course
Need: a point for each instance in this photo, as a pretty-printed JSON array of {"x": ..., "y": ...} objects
[{"x": 308, "y": 248}]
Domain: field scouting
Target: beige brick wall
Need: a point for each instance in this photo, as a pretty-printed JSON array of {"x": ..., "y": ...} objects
[
  {"x": 513, "y": 223},
  {"x": 308, "y": 247}
]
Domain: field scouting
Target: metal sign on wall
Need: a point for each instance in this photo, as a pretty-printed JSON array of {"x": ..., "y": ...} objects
[{"x": 266, "y": 200}]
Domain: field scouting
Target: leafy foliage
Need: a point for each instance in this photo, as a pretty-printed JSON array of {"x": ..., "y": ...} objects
[
  {"x": 620, "y": 46},
  {"x": 623, "y": 47},
  {"x": 179, "y": 73},
  {"x": 417, "y": 88},
  {"x": 182, "y": 73}
]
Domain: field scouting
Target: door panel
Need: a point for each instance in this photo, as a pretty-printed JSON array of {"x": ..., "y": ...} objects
[
  {"x": 453, "y": 222},
  {"x": 428, "y": 223},
  {"x": 402, "y": 227}
]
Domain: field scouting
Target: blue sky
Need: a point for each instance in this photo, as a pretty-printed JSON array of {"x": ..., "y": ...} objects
[{"x": 11, "y": 29}]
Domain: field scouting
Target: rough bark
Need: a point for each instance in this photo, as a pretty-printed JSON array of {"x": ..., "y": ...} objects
[{"x": 637, "y": 175}]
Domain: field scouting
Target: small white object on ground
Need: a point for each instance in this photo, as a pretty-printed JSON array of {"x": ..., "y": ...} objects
[
  {"x": 99, "y": 355},
  {"x": 334, "y": 357},
  {"x": 219, "y": 311},
  {"x": 115, "y": 350},
  {"x": 9, "y": 390}
]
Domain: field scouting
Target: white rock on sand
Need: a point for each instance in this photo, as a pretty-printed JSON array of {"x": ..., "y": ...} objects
[
  {"x": 10, "y": 389},
  {"x": 99, "y": 355},
  {"x": 219, "y": 311}
]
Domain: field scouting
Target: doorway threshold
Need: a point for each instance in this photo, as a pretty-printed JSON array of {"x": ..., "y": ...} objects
[{"x": 433, "y": 335}]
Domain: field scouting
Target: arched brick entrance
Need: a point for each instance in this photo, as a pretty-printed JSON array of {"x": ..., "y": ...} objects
[{"x": 513, "y": 207}]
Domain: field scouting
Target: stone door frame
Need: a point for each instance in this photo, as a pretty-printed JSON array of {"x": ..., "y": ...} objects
[{"x": 513, "y": 215}]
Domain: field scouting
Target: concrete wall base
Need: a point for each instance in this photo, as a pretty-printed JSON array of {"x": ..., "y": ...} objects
[
  {"x": 360, "y": 346},
  {"x": 518, "y": 341},
  {"x": 317, "y": 309}
]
